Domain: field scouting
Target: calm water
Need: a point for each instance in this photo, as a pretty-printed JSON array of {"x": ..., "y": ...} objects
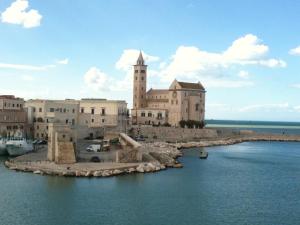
[
  {"x": 258, "y": 126},
  {"x": 249, "y": 183}
]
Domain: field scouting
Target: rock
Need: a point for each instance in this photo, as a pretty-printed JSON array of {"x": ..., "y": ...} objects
[
  {"x": 88, "y": 173},
  {"x": 106, "y": 173},
  {"x": 68, "y": 173},
  {"x": 163, "y": 158},
  {"x": 149, "y": 167},
  {"x": 131, "y": 170},
  {"x": 177, "y": 165},
  {"x": 162, "y": 167},
  {"x": 37, "y": 172},
  {"x": 97, "y": 174},
  {"x": 117, "y": 172},
  {"x": 157, "y": 168},
  {"x": 140, "y": 168}
]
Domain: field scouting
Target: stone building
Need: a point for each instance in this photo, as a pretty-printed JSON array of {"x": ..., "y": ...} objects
[
  {"x": 43, "y": 112},
  {"x": 89, "y": 117},
  {"x": 102, "y": 113},
  {"x": 13, "y": 116},
  {"x": 182, "y": 101}
]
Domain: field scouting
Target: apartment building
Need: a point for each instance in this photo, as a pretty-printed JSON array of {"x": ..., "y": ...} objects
[{"x": 13, "y": 116}]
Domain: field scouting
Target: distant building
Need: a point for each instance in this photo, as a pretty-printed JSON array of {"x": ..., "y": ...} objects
[
  {"x": 89, "y": 117},
  {"x": 43, "y": 112},
  {"x": 13, "y": 116},
  {"x": 111, "y": 114},
  {"x": 182, "y": 101}
]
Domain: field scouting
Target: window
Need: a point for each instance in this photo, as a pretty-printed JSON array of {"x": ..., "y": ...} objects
[
  {"x": 176, "y": 102},
  {"x": 13, "y": 105},
  {"x": 51, "y": 109},
  {"x": 143, "y": 71},
  {"x": 159, "y": 115},
  {"x": 65, "y": 110},
  {"x": 47, "y": 127},
  {"x": 197, "y": 107},
  {"x": 67, "y": 121},
  {"x": 172, "y": 102},
  {"x": 136, "y": 71},
  {"x": 92, "y": 111},
  {"x": 143, "y": 114},
  {"x": 82, "y": 110},
  {"x": 103, "y": 120},
  {"x": 142, "y": 78},
  {"x": 73, "y": 121},
  {"x": 37, "y": 127},
  {"x": 73, "y": 110},
  {"x": 42, "y": 135},
  {"x": 149, "y": 114},
  {"x": 20, "y": 105},
  {"x": 103, "y": 111},
  {"x": 40, "y": 110},
  {"x": 92, "y": 120}
]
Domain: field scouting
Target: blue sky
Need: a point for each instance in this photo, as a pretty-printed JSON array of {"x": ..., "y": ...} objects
[{"x": 244, "y": 52}]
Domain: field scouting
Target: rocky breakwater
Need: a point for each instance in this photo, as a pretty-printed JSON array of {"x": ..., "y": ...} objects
[
  {"x": 160, "y": 153},
  {"x": 238, "y": 139}
]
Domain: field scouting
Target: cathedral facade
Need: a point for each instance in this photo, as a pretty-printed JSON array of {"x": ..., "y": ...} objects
[{"x": 182, "y": 101}]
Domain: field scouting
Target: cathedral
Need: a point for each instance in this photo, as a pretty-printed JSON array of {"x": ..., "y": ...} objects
[{"x": 181, "y": 102}]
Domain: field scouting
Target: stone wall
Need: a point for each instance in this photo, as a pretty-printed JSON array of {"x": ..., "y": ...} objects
[
  {"x": 65, "y": 153},
  {"x": 128, "y": 156},
  {"x": 173, "y": 134}
]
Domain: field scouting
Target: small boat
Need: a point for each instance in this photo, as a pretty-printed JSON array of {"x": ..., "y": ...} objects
[
  {"x": 18, "y": 146},
  {"x": 3, "y": 147},
  {"x": 203, "y": 154}
]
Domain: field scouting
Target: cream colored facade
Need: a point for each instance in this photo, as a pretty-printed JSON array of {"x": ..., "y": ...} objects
[
  {"x": 43, "y": 112},
  {"x": 102, "y": 113},
  {"x": 89, "y": 117},
  {"x": 13, "y": 119},
  {"x": 182, "y": 101}
]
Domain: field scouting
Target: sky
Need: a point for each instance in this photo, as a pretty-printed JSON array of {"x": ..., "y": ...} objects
[{"x": 245, "y": 53}]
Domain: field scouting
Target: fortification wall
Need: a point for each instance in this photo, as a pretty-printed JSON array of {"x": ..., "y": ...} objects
[{"x": 174, "y": 134}]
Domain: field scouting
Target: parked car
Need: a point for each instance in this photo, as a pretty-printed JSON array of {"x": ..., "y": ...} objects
[
  {"x": 94, "y": 148},
  {"x": 42, "y": 142},
  {"x": 140, "y": 138}
]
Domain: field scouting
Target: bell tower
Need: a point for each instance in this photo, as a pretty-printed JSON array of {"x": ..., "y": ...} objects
[{"x": 139, "y": 83}]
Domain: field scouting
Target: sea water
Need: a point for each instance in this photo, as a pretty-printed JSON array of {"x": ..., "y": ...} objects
[{"x": 255, "y": 183}]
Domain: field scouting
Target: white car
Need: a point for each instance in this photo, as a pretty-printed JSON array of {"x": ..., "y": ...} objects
[{"x": 94, "y": 148}]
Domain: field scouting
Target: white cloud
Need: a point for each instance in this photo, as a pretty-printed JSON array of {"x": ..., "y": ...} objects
[
  {"x": 225, "y": 83},
  {"x": 295, "y": 51},
  {"x": 129, "y": 57},
  {"x": 245, "y": 48},
  {"x": 295, "y": 85},
  {"x": 18, "y": 13},
  {"x": 63, "y": 61},
  {"x": 194, "y": 63},
  {"x": 96, "y": 79},
  {"x": 244, "y": 74},
  {"x": 27, "y": 77},
  {"x": 24, "y": 67}
]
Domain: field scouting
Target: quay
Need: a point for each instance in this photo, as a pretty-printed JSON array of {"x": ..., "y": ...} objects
[{"x": 154, "y": 156}]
